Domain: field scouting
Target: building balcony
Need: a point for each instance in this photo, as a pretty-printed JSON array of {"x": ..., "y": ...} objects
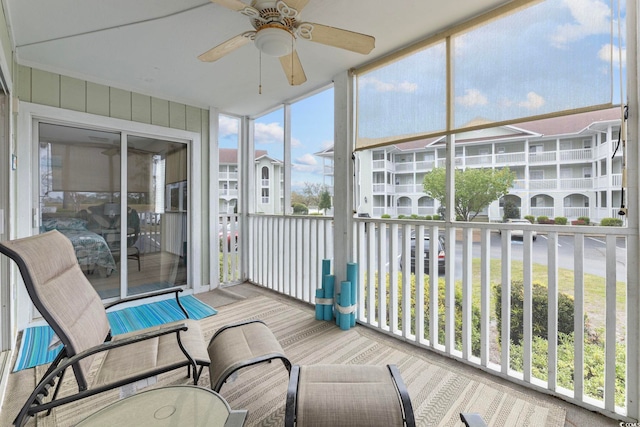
[
  {"x": 382, "y": 188},
  {"x": 382, "y": 165}
]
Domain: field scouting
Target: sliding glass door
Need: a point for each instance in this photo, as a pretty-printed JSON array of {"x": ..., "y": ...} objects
[{"x": 124, "y": 245}]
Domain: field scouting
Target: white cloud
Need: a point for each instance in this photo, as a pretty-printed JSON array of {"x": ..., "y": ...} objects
[
  {"x": 607, "y": 51},
  {"x": 471, "y": 98},
  {"x": 307, "y": 163},
  {"x": 307, "y": 159},
  {"x": 590, "y": 17},
  {"x": 533, "y": 102},
  {"x": 380, "y": 86},
  {"x": 268, "y": 133},
  {"x": 228, "y": 126}
]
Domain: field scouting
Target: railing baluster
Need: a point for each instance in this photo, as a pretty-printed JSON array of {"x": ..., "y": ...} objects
[
  {"x": 505, "y": 315},
  {"x": 315, "y": 262},
  {"x": 527, "y": 309},
  {"x": 299, "y": 236},
  {"x": 371, "y": 268},
  {"x": 362, "y": 267},
  {"x": 433, "y": 287},
  {"x": 288, "y": 245},
  {"x": 382, "y": 282},
  {"x": 467, "y": 257},
  {"x": 578, "y": 316},
  {"x": 485, "y": 296},
  {"x": 610, "y": 334},
  {"x": 393, "y": 277},
  {"x": 406, "y": 263},
  {"x": 406, "y": 284},
  {"x": 449, "y": 306},
  {"x": 552, "y": 292}
]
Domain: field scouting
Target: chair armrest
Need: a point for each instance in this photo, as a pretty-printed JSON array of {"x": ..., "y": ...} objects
[
  {"x": 407, "y": 408},
  {"x": 292, "y": 396},
  {"x": 233, "y": 325},
  {"x": 472, "y": 420},
  {"x": 108, "y": 345},
  {"x": 174, "y": 290}
]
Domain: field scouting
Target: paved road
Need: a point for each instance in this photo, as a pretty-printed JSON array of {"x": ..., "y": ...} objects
[{"x": 594, "y": 254}]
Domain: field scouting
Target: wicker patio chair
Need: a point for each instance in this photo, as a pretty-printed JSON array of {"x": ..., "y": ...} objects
[{"x": 71, "y": 306}]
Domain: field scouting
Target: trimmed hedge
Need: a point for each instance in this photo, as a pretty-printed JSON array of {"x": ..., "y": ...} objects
[
  {"x": 539, "y": 306},
  {"x": 611, "y": 222}
]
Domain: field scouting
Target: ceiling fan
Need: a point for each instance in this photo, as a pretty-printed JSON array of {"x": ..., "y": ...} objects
[{"x": 276, "y": 29}]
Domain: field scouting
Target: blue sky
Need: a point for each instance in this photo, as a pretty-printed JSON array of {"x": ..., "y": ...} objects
[
  {"x": 553, "y": 56},
  {"x": 566, "y": 42},
  {"x": 311, "y": 132}
]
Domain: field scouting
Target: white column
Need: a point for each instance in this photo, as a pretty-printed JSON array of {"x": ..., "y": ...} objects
[
  {"x": 633, "y": 220},
  {"x": 343, "y": 175},
  {"x": 214, "y": 197},
  {"x": 287, "y": 209}
]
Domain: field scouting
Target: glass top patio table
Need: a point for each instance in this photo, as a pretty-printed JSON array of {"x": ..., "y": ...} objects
[{"x": 181, "y": 405}]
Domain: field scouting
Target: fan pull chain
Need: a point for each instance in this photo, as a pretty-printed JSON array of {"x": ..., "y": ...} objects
[
  {"x": 292, "y": 52},
  {"x": 260, "y": 73}
]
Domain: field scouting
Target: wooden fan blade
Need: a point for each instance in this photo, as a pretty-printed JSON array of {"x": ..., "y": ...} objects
[
  {"x": 224, "y": 48},
  {"x": 292, "y": 68},
  {"x": 296, "y": 4},
  {"x": 344, "y": 39},
  {"x": 236, "y": 5}
]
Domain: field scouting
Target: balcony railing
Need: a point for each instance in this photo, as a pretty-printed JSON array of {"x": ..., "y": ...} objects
[
  {"x": 545, "y": 156},
  {"x": 583, "y": 154},
  {"x": 229, "y": 241},
  {"x": 576, "y": 183},
  {"x": 383, "y": 188},
  {"x": 382, "y": 165},
  {"x": 454, "y": 313},
  {"x": 510, "y": 158},
  {"x": 405, "y": 166}
]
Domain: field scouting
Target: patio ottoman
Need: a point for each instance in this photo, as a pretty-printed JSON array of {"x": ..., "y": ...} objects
[
  {"x": 239, "y": 345},
  {"x": 347, "y": 395}
]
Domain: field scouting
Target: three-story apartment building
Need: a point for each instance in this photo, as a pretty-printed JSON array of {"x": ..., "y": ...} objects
[
  {"x": 569, "y": 166},
  {"x": 269, "y": 182}
]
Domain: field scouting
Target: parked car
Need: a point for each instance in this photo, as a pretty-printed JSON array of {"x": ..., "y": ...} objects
[
  {"x": 426, "y": 245},
  {"x": 519, "y": 234}
]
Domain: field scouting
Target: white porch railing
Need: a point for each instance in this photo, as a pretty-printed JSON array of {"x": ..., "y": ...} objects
[
  {"x": 229, "y": 244},
  {"x": 582, "y": 154},
  {"x": 542, "y": 211},
  {"x": 510, "y": 158},
  {"x": 576, "y": 183},
  {"x": 543, "y": 184},
  {"x": 544, "y": 156},
  {"x": 286, "y": 253},
  {"x": 575, "y": 212},
  {"x": 453, "y": 314}
]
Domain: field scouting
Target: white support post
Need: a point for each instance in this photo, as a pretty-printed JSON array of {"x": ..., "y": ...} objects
[
  {"x": 343, "y": 174},
  {"x": 214, "y": 195},
  {"x": 633, "y": 220}
]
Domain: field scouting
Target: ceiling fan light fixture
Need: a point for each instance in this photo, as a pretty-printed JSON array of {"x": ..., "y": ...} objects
[{"x": 274, "y": 41}]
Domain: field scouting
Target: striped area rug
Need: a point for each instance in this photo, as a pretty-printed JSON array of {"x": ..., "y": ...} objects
[
  {"x": 35, "y": 350},
  {"x": 439, "y": 392}
]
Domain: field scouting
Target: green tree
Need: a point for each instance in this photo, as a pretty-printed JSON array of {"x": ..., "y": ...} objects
[
  {"x": 325, "y": 201},
  {"x": 475, "y": 188},
  {"x": 311, "y": 193}
]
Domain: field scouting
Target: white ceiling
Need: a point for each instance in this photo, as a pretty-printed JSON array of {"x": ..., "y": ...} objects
[{"x": 151, "y": 46}]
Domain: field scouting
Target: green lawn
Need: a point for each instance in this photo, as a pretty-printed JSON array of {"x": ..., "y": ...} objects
[{"x": 594, "y": 288}]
